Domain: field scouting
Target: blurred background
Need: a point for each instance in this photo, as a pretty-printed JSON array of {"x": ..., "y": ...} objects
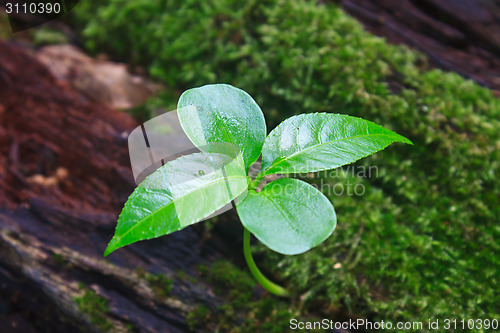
[{"x": 419, "y": 243}]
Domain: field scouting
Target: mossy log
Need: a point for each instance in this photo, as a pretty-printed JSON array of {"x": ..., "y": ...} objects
[{"x": 64, "y": 176}]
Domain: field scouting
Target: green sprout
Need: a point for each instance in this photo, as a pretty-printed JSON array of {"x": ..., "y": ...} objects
[{"x": 288, "y": 215}]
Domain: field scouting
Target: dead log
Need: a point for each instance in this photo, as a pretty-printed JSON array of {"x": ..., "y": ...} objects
[
  {"x": 64, "y": 176},
  {"x": 462, "y": 36}
]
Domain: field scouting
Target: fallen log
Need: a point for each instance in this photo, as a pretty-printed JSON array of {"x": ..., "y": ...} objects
[
  {"x": 64, "y": 176},
  {"x": 462, "y": 36}
]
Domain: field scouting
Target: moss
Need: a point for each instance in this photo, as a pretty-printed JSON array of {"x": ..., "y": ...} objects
[
  {"x": 59, "y": 259},
  {"x": 182, "y": 275},
  {"x": 141, "y": 272},
  {"x": 197, "y": 317},
  {"x": 95, "y": 307},
  {"x": 62, "y": 262},
  {"x": 160, "y": 284},
  {"x": 5, "y": 30},
  {"x": 244, "y": 310},
  {"x": 231, "y": 282},
  {"x": 421, "y": 241},
  {"x": 224, "y": 274},
  {"x": 47, "y": 36}
]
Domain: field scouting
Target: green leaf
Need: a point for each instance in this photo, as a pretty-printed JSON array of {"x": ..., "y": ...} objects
[
  {"x": 223, "y": 113},
  {"x": 180, "y": 193},
  {"x": 321, "y": 141},
  {"x": 288, "y": 215}
]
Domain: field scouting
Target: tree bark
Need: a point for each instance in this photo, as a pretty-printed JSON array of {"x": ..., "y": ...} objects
[
  {"x": 64, "y": 176},
  {"x": 462, "y": 36}
]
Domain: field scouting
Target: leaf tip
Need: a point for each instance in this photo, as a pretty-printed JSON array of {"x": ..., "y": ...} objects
[
  {"x": 112, "y": 246},
  {"x": 403, "y": 139},
  {"x": 408, "y": 141},
  {"x": 108, "y": 251}
]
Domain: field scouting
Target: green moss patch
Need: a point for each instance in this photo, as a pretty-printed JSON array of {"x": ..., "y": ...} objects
[{"x": 95, "y": 307}]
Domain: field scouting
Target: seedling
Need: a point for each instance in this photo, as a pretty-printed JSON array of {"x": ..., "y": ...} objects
[{"x": 228, "y": 127}]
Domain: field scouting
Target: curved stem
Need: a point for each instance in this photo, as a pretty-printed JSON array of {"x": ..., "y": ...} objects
[{"x": 264, "y": 282}]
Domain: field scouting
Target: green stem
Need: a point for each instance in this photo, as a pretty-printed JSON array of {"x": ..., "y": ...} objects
[{"x": 264, "y": 282}]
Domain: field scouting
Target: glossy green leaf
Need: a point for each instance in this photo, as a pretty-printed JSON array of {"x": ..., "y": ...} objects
[
  {"x": 288, "y": 215},
  {"x": 223, "y": 113},
  {"x": 321, "y": 141},
  {"x": 180, "y": 193}
]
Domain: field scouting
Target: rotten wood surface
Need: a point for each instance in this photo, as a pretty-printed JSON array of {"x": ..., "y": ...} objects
[
  {"x": 462, "y": 36},
  {"x": 64, "y": 175}
]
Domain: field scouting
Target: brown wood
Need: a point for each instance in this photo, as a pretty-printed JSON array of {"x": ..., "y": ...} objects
[
  {"x": 462, "y": 36},
  {"x": 64, "y": 176}
]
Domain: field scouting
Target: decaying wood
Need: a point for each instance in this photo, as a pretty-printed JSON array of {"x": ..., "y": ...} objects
[
  {"x": 462, "y": 36},
  {"x": 104, "y": 82},
  {"x": 64, "y": 175}
]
